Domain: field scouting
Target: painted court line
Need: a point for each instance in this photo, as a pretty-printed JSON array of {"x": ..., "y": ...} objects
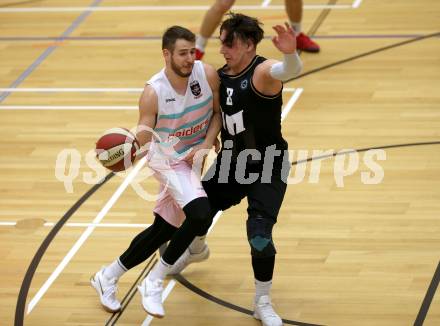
[
  {"x": 101, "y": 225},
  {"x": 161, "y": 8},
  {"x": 295, "y": 96},
  {"x": 156, "y": 38},
  {"x": 265, "y": 3},
  {"x": 68, "y": 107},
  {"x": 8, "y": 223},
  {"x": 86, "y": 90},
  {"x": 80, "y": 107},
  {"x": 85, "y": 235},
  {"x": 356, "y": 4},
  {"x": 71, "y": 90},
  {"x": 49, "y": 50}
]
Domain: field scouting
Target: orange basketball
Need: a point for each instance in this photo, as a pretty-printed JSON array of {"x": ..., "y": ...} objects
[{"x": 116, "y": 149}]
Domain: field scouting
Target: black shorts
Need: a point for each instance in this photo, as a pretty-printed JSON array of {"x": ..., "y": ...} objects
[{"x": 264, "y": 196}]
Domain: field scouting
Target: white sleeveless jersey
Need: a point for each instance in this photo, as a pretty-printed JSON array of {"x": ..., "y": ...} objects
[{"x": 183, "y": 116}]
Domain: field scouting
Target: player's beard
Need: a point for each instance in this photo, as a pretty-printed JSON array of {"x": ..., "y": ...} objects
[{"x": 178, "y": 70}]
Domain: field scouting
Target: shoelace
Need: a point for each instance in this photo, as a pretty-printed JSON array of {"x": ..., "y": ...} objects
[
  {"x": 111, "y": 289},
  {"x": 155, "y": 291},
  {"x": 267, "y": 310}
]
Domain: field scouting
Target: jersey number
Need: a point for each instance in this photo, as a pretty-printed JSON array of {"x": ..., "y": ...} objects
[
  {"x": 233, "y": 123},
  {"x": 229, "y": 91}
]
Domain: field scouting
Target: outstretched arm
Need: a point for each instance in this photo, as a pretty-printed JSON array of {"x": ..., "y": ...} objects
[{"x": 269, "y": 75}]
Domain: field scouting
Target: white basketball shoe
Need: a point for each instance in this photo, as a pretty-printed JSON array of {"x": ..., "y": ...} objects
[
  {"x": 188, "y": 258},
  {"x": 264, "y": 311},
  {"x": 151, "y": 292},
  {"x": 106, "y": 289}
]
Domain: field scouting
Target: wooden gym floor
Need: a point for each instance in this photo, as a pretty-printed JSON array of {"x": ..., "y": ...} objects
[{"x": 348, "y": 254}]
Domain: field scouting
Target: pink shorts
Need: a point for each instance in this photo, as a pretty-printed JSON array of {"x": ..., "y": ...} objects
[{"x": 179, "y": 185}]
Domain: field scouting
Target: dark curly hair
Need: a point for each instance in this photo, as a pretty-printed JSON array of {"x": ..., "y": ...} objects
[{"x": 242, "y": 27}]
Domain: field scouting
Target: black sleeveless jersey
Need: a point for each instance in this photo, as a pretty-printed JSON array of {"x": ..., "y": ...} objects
[{"x": 250, "y": 119}]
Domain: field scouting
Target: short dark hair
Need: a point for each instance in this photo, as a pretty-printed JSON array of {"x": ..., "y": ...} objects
[
  {"x": 242, "y": 27},
  {"x": 173, "y": 33}
]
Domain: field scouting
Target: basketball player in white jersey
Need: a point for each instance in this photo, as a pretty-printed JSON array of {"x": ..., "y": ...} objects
[{"x": 180, "y": 103}]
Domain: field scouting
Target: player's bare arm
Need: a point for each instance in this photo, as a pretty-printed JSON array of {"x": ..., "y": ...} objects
[
  {"x": 216, "y": 120},
  {"x": 148, "y": 109}
]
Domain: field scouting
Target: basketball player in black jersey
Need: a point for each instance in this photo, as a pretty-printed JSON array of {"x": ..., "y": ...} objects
[{"x": 251, "y": 163}]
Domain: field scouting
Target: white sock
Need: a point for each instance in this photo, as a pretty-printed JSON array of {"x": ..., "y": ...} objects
[
  {"x": 114, "y": 270},
  {"x": 160, "y": 270},
  {"x": 197, "y": 245},
  {"x": 296, "y": 27},
  {"x": 262, "y": 288},
  {"x": 201, "y": 43}
]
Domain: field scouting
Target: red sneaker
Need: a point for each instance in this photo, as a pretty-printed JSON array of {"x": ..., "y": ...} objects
[
  {"x": 305, "y": 43},
  {"x": 199, "y": 54}
]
